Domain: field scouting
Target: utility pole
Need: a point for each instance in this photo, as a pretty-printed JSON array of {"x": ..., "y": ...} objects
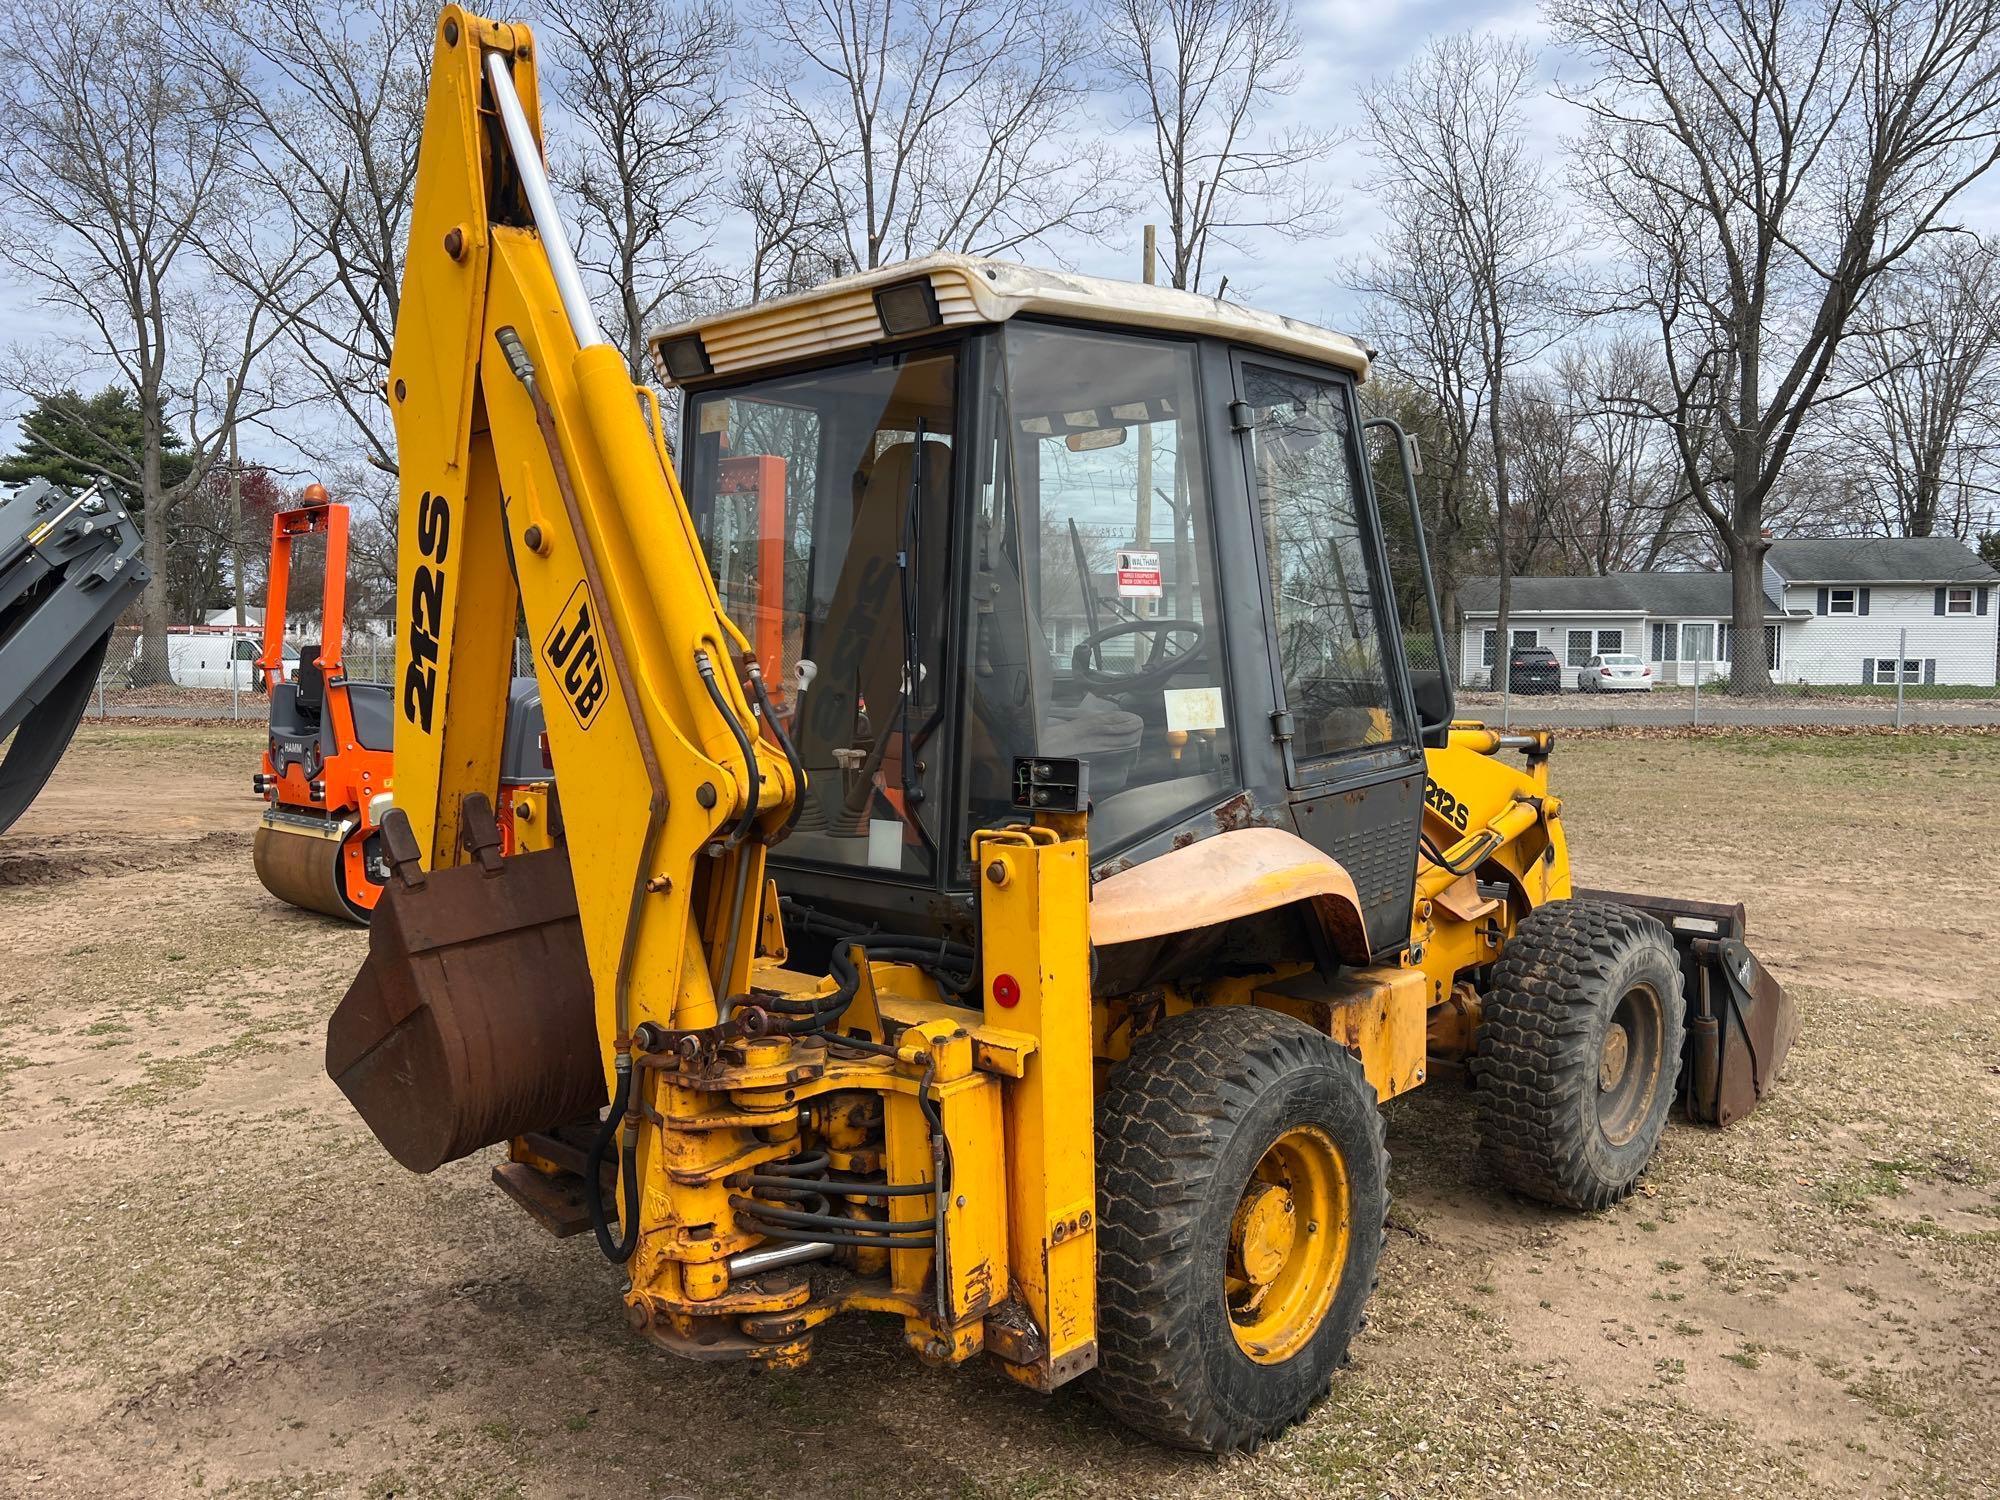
[
  {"x": 235, "y": 516},
  {"x": 1144, "y": 537}
]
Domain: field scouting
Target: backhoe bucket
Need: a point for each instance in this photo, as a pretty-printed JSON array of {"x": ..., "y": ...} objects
[
  {"x": 1740, "y": 1023},
  {"x": 472, "y": 1020}
]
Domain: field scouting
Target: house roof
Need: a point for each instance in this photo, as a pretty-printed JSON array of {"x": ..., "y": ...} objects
[
  {"x": 1879, "y": 559},
  {"x": 1668, "y": 595}
]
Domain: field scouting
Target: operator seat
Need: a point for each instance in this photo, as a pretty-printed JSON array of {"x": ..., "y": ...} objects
[
  {"x": 859, "y": 646},
  {"x": 312, "y": 682}
]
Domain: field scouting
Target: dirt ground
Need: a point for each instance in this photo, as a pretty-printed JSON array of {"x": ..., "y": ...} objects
[{"x": 213, "y": 1282}]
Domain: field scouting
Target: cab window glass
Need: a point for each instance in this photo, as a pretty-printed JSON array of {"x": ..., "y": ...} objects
[
  {"x": 1097, "y": 632},
  {"x": 1318, "y": 557},
  {"x": 824, "y": 504}
]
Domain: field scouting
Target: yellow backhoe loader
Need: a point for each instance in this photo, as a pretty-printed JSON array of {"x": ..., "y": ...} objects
[{"x": 1006, "y": 858}]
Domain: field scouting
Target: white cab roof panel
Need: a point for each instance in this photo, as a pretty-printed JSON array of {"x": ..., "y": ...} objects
[{"x": 841, "y": 314}]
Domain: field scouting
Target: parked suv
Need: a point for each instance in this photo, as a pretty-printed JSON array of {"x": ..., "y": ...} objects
[{"x": 1534, "y": 669}]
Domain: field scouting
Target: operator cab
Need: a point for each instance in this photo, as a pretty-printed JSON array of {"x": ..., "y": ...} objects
[{"x": 965, "y": 512}]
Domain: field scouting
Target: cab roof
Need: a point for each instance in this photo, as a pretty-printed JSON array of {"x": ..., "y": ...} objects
[{"x": 841, "y": 314}]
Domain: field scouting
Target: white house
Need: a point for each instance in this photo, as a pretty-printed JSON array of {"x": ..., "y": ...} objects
[
  {"x": 1849, "y": 603},
  {"x": 1834, "y": 613}
]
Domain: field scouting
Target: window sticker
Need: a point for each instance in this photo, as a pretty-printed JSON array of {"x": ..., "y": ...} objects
[
  {"x": 1193, "y": 708},
  {"x": 1139, "y": 574}
]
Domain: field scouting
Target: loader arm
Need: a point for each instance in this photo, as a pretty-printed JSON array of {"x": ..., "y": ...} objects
[{"x": 531, "y": 480}]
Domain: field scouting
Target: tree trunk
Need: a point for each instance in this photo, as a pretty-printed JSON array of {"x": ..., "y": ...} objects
[
  {"x": 1503, "y": 639},
  {"x": 1747, "y": 672},
  {"x": 152, "y": 668}
]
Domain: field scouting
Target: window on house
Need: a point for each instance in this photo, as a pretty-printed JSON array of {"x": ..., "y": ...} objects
[
  {"x": 1770, "y": 648},
  {"x": 1722, "y": 634},
  {"x": 1697, "y": 641},
  {"x": 1885, "y": 669},
  {"x": 1610, "y": 642},
  {"x": 1666, "y": 638},
  {"x": 1486, "y": 649},
  {"x": 1958, "y": 601},
  {"x": 1579, "y": 652},
  {"x": 1840, "y": 601}
]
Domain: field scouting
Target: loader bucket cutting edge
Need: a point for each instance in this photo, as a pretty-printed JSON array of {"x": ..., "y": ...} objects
[{"x": 1740, "y": 1022}]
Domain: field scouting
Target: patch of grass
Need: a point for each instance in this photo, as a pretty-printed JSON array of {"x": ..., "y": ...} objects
[
  {"x": 1878, "y": 1391},
  {"x": 1748, "y": 1355},
  {"x": 1860, "y": 1182}
]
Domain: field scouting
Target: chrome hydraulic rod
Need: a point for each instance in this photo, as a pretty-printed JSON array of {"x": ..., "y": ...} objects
[
  {"x": 548, "y": 221},
  {"x": 751, "y": 1262}
]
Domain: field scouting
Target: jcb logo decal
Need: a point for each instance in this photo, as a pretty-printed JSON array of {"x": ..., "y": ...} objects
[
  {"x": 575, "y": 662},
  {"x": 426, "y": 610},
  {"x": 1445, "y": 805}
]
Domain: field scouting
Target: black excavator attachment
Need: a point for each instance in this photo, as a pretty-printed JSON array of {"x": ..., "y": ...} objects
[
  {"x": 1740, "y": 1022},
  {"x": 69, "y": 565}
]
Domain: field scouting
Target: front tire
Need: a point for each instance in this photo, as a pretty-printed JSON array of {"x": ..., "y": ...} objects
[
  {"x": 1242, "y": 1198},
  {"x": 1579, "y": 1052}
]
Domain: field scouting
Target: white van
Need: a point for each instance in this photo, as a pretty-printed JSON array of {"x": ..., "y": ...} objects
[{"x": 214, "y": 656}]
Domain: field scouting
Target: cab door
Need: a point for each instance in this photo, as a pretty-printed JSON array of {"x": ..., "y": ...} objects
[{"x": 1343, "y": 713}]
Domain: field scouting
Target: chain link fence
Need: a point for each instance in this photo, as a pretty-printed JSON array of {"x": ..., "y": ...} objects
[
  {"x": 1936, "y": 671},
  {"x": 211, "y": 671},
  {"x": 1938, "y": 666}
]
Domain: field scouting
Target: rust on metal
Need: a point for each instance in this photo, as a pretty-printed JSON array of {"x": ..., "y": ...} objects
[{"x": 472, "y": 1020}]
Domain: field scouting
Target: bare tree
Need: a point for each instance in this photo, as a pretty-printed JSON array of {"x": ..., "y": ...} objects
[
  {"x": 1762, "y": 164},
  {"x": 327, "y": 121},
  {"x": 1620, "y": 506},
  {"x": 1198, "y": 76},
  {"x": 1921, "y": 431},
  {"x": 644, "y": 81},
  {"x": 1421, "y": 316},
  {"x": 920, "y": 125},
  {"x": 118, "y": 169},
  {"x": 1458, "y": 180},
  {"x": 797, "y": 235}
]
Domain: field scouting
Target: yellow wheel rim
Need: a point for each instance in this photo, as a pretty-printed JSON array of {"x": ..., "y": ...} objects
[{"x": 1288, "y": 1245}]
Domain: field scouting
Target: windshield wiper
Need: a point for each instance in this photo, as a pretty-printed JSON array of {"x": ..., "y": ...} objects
[{"x": 906, "y": 567}]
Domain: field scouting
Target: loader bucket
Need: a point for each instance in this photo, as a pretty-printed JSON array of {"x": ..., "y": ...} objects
[
  {"x": 472, "y": 1020},
  {"x": 1740, "y": 1023}
]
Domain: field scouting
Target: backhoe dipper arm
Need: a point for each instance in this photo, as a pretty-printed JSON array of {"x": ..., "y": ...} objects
[{"x": 530, "y": 478}]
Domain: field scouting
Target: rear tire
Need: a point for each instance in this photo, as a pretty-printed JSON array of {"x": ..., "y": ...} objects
[
  {"x": 1242, "y": 1199},
  {"x": 1579, "y": 1052}
]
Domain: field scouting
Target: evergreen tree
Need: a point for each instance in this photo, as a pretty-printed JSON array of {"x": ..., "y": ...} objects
[{"x": 72, "y": 440}]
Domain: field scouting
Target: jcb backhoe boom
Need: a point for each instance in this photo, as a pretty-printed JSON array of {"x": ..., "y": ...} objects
[{"x": 513, "y": 414}]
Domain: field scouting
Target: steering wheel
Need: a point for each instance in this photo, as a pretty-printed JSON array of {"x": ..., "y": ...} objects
[{"x": 1163, "y": 665}]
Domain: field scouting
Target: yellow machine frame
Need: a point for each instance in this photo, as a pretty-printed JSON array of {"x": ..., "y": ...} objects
[{"x": 535, "y": 478}]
